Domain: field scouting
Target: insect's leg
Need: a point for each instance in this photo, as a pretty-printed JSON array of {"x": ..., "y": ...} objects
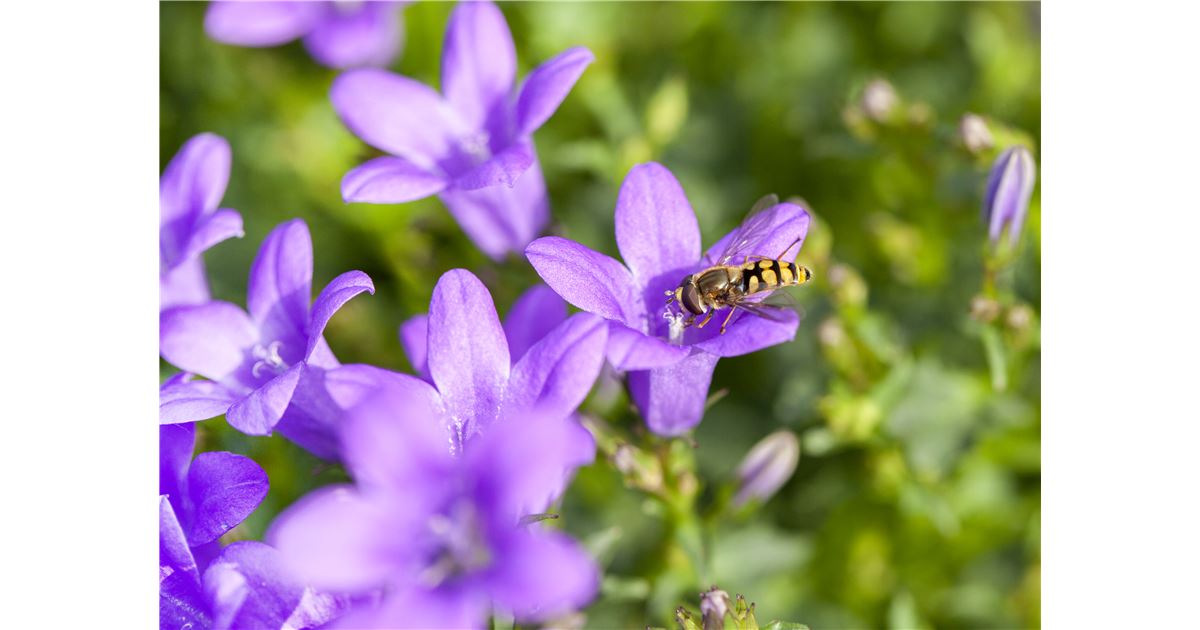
[
  {"x": 785, "y": 249},
  {"x": 707, "y": 316},
  {"x": 727, "y": 318}
]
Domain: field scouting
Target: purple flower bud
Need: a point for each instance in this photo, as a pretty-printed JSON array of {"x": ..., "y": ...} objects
[
  {"x": 767, "y": 467},
  {"x": 974, "y": 133},
  {"x": 714, "y": 604},
  {"x": 1009, "y": 187}
]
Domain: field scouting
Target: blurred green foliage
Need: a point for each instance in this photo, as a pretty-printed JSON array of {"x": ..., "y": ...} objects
[{"x": 913, "y": 381}]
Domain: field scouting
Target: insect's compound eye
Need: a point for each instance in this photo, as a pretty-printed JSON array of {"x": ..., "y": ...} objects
[{"x": 691, "y": 299}]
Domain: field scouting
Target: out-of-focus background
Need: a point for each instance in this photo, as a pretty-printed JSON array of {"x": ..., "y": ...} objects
[{"x": 916, "y": 501}]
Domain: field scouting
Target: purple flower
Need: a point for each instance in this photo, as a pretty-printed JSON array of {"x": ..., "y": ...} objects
[
  {"x": 463, "y": 143},
  {"x": 1009, "y": 188},
  {"x": 336, "y": 34},
  {"x": 567, "y": 354},
  {"x": 537, "y": 312},
  {"x": 659, "y": 239},
  {"x": 472, "y": 376},
  {"x": 188, "y": 193},
  {"x": 258, "y": 363},
  {"x": 440, "y": 535},
  {"x": 201, "y": 585}
]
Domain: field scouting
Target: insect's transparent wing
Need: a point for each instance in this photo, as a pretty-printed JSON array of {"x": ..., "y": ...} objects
[
  {"x": 765, "y": 311},
  {"x": 768, "y": 303},
  {"x": 755, "y": 227}
]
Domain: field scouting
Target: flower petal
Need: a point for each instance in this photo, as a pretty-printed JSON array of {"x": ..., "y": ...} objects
[
  {"x": 397, "y": 435},
  {"x": 313, "y": 417},
  {"x": 397, "y": 115},
  {"x": 180, "y": 598},
  {"x": 775, "y": 229},
  {"x": 195, "y": 179},
  {"x": 216, "y": 227},
  {"x": 414, "y": 338},
  {"x": 503, "y": 168},
  {"x": 588, "y": 279},
  {"x": 519, "y": 468},
  {"x": 390, "y": 180},
  {"x": 468, "y": 356},
  {"x": 413, "y": 607},
  {"x": 175, "y": 554},
  {"x": 281, "y": 282},
  {"x": 535, "y": 313},
  {"x": 224, "y": 489},
  {"x": 557, "y": 373},
  {"x": 672, "y": 398},
  {"x": 339, "y": 291},
  {"x": 479, "y": 61},
  {"x": 261, "y": 410},
  {"x": 629, "y": 349},
  {"x": 184, "y": 284},
  {"x": 266, "y": 593},
  {"x": 540, "y": 574},
  {"x": 336, "y": 539},
  {"x": 175, "y": 445},
  {"x": 657, "y": 231},
  {"x": 748, "y": 333},
  {"x": 368, "y": 35},
  {"x": 259, "y": 23},
  {"x": 208, "y": 339},
  {"x": 546, "y": 87},
  {"x": 226, "y": 589},
  {"x": 499, "y": 219},
  {"x": 190, "y": 400}
]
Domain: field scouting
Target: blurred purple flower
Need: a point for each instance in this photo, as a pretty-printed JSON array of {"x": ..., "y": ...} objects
[
  {"x": 659, "y": 239},
  {"x": 336, "y": 34},
  {"x": 189, "y": 192},
  {"x": 440, "y": 535},
  {"x": 257, "y": 364},
  {"x": 1009, "y": 188},
  {"x": 201, "y": 585},
  {"x": 472, "y": 143}
]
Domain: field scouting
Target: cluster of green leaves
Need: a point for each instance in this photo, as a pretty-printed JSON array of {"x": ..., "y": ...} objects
[{"x": 913, "y": 382}]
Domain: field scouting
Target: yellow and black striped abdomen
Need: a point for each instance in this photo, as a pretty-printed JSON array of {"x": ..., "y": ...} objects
[{"x": 766, "y": 275}]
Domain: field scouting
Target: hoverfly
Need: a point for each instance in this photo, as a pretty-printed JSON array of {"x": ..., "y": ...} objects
[{"x": 732, "y": 286}]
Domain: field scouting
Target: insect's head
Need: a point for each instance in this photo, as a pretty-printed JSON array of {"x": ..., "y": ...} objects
[{"x": 689, "y": 296}]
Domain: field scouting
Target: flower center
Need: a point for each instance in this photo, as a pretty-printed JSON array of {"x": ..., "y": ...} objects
[
  {"x": 461, "y": 546},
  {"x": 674, "y": 326},
  {"x": 476, "y": 147},
  {"x": 269, "y": 361}
]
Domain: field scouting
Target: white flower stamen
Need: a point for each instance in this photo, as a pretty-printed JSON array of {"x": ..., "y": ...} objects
[
  {"x": 268, "y": 359},
  {"x": 476, "y": 146},
  {"x": 674, "y": 327}
]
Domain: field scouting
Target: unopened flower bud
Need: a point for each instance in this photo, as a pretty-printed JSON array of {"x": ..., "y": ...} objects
[
  {"x": 984, "y": 309},
  {"x": 1019, "y": 317},
  {"x": 878, "y": 99},
  {"x": 767, "y": 467},
  {"x": 1009, "y": 188},
  {"x": 974, "y": 133},
  {"x": 714, "y": 604}
]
